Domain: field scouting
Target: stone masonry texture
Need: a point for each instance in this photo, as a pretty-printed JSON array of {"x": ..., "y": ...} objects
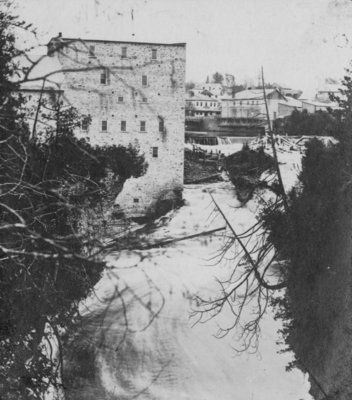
[{"x": 141, "y": 84}]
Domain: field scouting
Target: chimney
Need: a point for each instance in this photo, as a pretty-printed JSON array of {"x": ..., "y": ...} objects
[{"x": 54, "y": 44}]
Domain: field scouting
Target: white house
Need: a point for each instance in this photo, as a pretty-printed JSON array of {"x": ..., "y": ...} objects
[{"x": 250, "y": 104}]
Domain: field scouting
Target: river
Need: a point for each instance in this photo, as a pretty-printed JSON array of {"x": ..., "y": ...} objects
[{"x": 137, "y": 339}]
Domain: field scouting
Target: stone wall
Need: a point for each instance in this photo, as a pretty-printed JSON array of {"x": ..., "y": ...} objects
[{"x": 125, "y": 97}]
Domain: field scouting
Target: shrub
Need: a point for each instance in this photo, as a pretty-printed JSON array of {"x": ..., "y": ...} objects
[{"x": 245, "y": 168}]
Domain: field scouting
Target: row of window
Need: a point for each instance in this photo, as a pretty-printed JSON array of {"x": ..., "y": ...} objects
[
  {"x": 214, "y": 104},
  {"x": 248, "y": 102},
  {"x": 211, "y": 104},
  {"x": 123, "y": 126},
  {"x": 204, "y": 113},
  {"x": 104, "y": 78},
  {"x": 91, "y": 53}
]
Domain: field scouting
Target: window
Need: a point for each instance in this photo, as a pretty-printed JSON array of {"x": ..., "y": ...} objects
[
  {"x": 161, "y": 124},
  {"x": 123, "y": 126},
  {"x": 135, "y": 200},
  {"x": 124, "y": 52},
  {"x": 153, "y": 54},
  {"x": 145, "y": 100},
  {"x": 144, "y": 80},
  {"x": 155, "y": 152},
  {"x": 91, "y": 51},
  {"x": 120, "y": 99},
  {"x": 104, "y": 126},
  {"x": 85, "y": 125},
  {"x": 142, "y": 126},
  {"x": 104, "y": 102},
  {"x": 103, "y": 78}
]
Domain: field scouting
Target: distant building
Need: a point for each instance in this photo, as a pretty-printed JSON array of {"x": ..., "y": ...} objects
[
  {"x": 134, "y": 93},
  {"x": 201, "y": 105},
  {"x": 329, "y": 88},
  {"x": 287, "y": 106},
  {"x": 216, "y": 89},
  {"x": 250, "y": 104},
  {"x": 312, "y": 106}
]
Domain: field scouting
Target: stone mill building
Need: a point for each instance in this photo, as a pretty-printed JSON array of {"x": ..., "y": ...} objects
[{"x": 133, "y": 93}]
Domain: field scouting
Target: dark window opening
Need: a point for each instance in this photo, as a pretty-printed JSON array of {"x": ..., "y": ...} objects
[
  {"x": 103, "y": 78},
  {"x": 135, "y": 200},
  {"x": 153, "y": 54},
  {"x": 144, "y": 80},
  {"x": 124, "y": 52},
  {"x": 91, "y": 51},
  {"x": 145, "y": 100},
  {"x": 120, "y": 99},
  {"x": 161, "y": 124},
  {"x": 123, "y": 126},
  {"x": 104, "y": 126},
  {"x": 143, "y": 126},
  {"x": 155, "y": 152}
]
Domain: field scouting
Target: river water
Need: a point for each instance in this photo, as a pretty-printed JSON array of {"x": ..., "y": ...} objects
[{"x": 137, "y": 338}]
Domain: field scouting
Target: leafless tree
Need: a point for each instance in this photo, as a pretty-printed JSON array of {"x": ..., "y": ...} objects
[{"x": 247, "y": 292}]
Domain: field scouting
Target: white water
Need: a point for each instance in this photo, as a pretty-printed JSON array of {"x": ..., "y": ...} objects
[{"x": 170, "y": 359}]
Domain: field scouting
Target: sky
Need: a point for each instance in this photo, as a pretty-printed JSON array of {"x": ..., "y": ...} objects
[{"x": 298, "y": 42}]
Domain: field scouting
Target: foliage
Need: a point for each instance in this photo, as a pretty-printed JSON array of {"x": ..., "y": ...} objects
[
  {"x": 217, "y": 77},
  {"x": 245, "y": 168},
  {"x": 237, "y": 88},
  {"x": 302, "y": 123},
  {"x": 48, "y": 263},
  {"x": 190, "y": 85},
  {"x": 251, "y": 162},
  {"x": 307, "y": 238},
  {"x": 312, "y": 237}
]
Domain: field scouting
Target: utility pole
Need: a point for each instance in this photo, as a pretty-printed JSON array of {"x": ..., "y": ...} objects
[{"x": 273, "y": 146}]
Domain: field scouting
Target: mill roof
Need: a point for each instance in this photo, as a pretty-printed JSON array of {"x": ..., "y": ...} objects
[{"x": 64, "y": 39}]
